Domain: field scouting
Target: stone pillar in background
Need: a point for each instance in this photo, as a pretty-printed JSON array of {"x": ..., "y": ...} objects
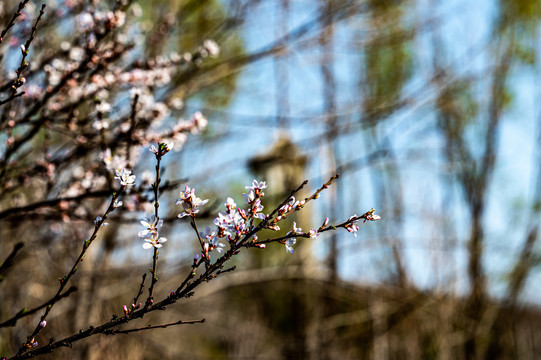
[{"x": 283, "y": 167}]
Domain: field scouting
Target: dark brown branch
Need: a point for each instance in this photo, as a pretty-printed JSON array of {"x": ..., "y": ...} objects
[
  {"x": 8, "y": 262},
  {"x": 12, "y": 97}
]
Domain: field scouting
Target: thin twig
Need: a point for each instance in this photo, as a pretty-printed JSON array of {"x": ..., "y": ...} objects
[
  {"x": 150, "y": 327},
  {"x": 8, "y": 262},
  {"x": 205, "y": 256},
  {"x": 26, "y": 312},
  {"x": 156, "y": 187},
  {"x": 19, "y": 81},
  {"x": 140, "y": 292},
  {"x": 17, "y": 13},
  {"x": 11, "y": 97}
]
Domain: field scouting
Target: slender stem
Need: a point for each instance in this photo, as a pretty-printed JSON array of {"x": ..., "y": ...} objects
[
  {"x": 17, "y": 13},
  {"x": 26, "y": 312},
  {"x": 150, "y": 327},
  {"x": 140, "y": 292},
  {"x": 11, "y": 97},
  {"x": 23, "y": 65},
  {"x": 156, "y": 188},
  {"x": 201, "y": 242}
]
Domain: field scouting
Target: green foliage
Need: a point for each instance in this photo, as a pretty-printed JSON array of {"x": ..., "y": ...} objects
[
  {"x": 194, "y": 22},
  {"x": 383, "y": 5},
  {"x": 507, "y": 97},
  {"x": 388, "y": 62},
  {"x": 525, "y": 13},
  {"x": 525, "y": 53},
  {"x": 457, "y": 102},
  {"x": 387, "y": 69}
]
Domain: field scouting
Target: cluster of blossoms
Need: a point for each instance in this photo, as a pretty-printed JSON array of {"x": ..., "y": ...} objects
[
  {"x": 211, "y": 242},
  {"x": 115, "y": 162},
  {"x": 127, "y": 311},
  {"x": 283, "y": 212},
  {"x": 231, "y": 224},
  {"x": 253, "y": 199},
  {"x": 162, "y": 149},
  {"x": 291, "y": 205},
  {"x": 173, "y": 139},
  {"x": 370, "y": 216},
  {"x": 31, "y": 343},
  {"x": 290, "y": 241},
  {"x": 234, "y": 224},
  {"x": 352, "y": 223},
  {"x": 125, "y": 177},
  {"x": 80, "y": 83},
  {"x": 151, "y": 233},
  {"x": 189, "y": 202},
  {"x": 352, "y": 226},
  {"x": 153, "y": 113}
]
